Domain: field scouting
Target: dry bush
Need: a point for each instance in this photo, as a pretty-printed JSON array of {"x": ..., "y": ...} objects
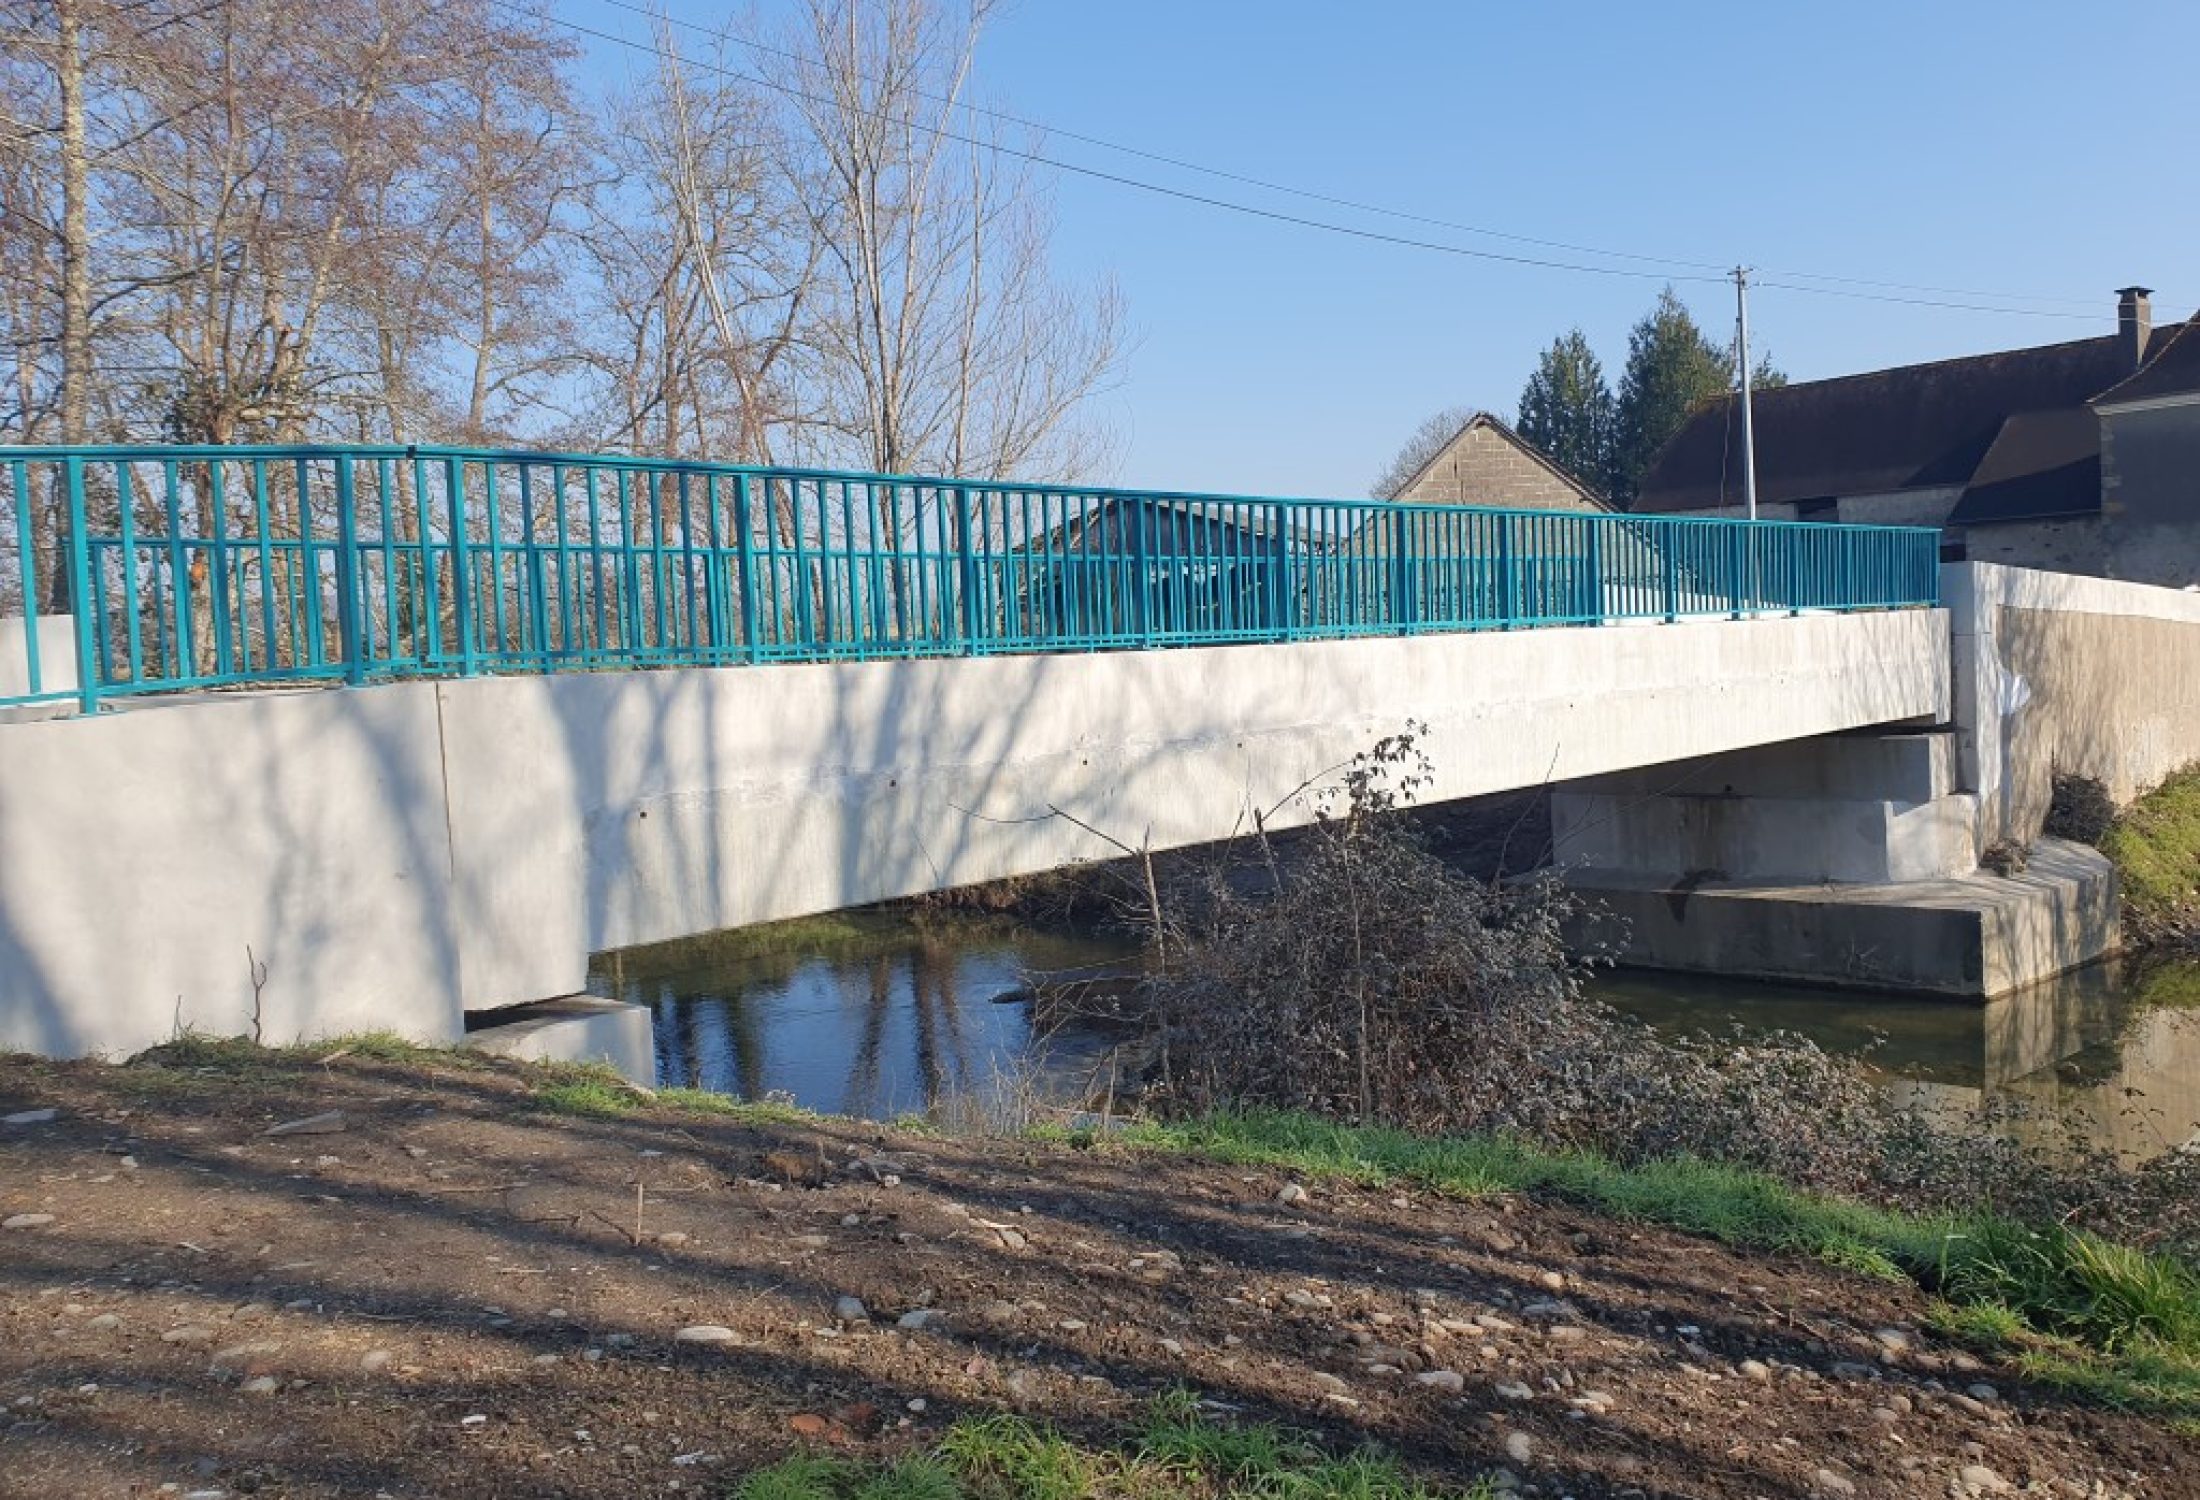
[
  {"x": 1369, "y": 982},
  {"x": 2079, "y": 809}
]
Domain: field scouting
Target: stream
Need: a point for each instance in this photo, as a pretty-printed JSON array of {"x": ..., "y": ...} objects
[{"x": 882, "y": 1015}]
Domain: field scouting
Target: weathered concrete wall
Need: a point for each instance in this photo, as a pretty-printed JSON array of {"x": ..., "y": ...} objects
[
  {"x": 399, "y": 855},
  {"x": 2056, "y": 672}
]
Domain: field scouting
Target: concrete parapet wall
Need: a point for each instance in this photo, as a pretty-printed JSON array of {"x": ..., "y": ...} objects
[
  {"x": 2056, "y": 672},
  {"x": 399, "y": 855},
  {"x": 54, "y": 647}
]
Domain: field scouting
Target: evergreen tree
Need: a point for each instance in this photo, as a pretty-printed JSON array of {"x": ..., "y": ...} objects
[
  {"x": 1671, "y": 367},
  {"x": 1566, "y": 408}
]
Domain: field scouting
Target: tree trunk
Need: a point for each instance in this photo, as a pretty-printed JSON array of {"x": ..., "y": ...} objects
[{"x": 76, "y": 278}]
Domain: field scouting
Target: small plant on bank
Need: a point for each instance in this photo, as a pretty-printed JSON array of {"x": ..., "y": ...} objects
[{"x": 1176, "y": 1453}]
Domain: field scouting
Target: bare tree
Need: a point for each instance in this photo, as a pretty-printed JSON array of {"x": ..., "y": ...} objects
[
  {"x": 1427, "y": 441},
  {"x": 948, "y": 346},
  {"x": 705, "y": 270}
]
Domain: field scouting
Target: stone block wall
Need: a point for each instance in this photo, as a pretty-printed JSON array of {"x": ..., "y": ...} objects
[{"x": 1484, "y": 467}]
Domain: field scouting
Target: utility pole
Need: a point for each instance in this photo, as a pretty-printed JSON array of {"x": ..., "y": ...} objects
[{"x": 1741, "y": 377}]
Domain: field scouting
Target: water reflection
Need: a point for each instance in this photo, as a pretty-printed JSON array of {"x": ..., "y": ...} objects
[
  {"x": 2108, "y": 1054},
  {"x": 865, "y": 1015}
]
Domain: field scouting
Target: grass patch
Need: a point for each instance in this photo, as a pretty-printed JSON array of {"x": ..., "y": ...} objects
[
  {"x": 2155, "y": 844},
  {"x": 1176, "y": 1453},
  {"x": 2120, "y": 1324}
]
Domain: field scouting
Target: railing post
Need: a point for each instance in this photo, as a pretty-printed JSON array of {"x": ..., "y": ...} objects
[
  {"x": 462, "y": 583},
  {"x": 81, "y": 598},
  {"x": 1405, "y": 601},
  {"x": 349, "y": 603},
  {"x": 1593, "y": 552},
  {"x": 1668, "y": 567},
  {"x": 745, "y": 540},
  {"x": 966, "y": 569},
  {"x": 1734, "y": 567},
  {"x": 1286, "y": 599},
  {"x": 1508, "y": 582}
]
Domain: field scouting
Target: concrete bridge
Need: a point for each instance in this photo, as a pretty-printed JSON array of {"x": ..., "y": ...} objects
[{"x": 399, "y": 774}]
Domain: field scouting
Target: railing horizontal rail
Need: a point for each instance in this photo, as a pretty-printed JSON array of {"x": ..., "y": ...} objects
[{"x": 128, "y": 570}]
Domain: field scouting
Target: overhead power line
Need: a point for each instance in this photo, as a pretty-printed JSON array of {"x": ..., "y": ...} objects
[{"x": 1853, "y": 288}]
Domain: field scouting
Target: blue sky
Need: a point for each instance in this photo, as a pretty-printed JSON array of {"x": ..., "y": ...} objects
[{"x": 2011, "y": 148}]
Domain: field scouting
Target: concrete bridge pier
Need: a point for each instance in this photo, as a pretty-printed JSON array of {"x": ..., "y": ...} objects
[
  {"x": 1849, "y": 860},
  {"x": 1855, "y": 858}
]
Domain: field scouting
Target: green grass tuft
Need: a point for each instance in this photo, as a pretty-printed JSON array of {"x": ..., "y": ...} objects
[
  {"x": 2120, "y": 1323},
  {"x": 1176, "y": 1453},
  {"x": 2155, "y": 845},
  {"x": 588, "y": 1091}
]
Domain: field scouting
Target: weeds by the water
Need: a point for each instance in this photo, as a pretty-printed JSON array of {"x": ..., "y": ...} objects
[{"x": 1177, "y": 1453}]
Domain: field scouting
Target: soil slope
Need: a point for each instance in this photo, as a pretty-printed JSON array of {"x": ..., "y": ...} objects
[{"x": 452, "y": 1292}]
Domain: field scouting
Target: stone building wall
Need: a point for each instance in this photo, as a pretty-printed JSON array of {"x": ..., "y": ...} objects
[
  {"x": 2150, "y": 494},
  {"x": 1484, "y": 467}
]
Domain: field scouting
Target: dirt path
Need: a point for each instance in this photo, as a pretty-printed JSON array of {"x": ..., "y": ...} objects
[{"x": 447, "y": 1297}]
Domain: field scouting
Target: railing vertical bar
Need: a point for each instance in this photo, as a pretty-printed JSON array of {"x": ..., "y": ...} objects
[
  {"x": 86, "y": 603},
  {"x": 26, "y": 554},
  {"x": 460, "y": 571},
  {"x": 349, "y": 597},
  {"x": 744, "y": 533},
  {"x": 385, "y": 494},
  {"x": 126, "y": 509},
  {"x": 182, "y": 662}
]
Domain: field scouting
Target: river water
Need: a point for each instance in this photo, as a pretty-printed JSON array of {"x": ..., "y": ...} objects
[{"x": 879, "y": 1016}]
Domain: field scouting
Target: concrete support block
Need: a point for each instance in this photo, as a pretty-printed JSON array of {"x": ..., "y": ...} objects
[{"x": 1972, "y": 937}]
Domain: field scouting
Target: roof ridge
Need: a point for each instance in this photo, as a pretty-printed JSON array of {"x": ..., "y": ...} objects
[
  {"x": 2159, "y": 349},
  {"x": 1957, "y": 359}
]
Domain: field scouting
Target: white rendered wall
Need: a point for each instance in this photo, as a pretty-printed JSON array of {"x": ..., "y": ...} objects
[{"x": 399, "y": 855}]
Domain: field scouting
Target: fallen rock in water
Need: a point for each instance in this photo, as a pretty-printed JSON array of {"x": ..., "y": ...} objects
[{"x": 329, "y": 1123}]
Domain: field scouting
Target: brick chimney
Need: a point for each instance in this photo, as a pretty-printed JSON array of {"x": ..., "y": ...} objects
[{"x": 2134, "y": 323}]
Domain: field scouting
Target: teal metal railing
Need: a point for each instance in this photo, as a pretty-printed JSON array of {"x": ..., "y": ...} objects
[{"x": 127, "y": 570}]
